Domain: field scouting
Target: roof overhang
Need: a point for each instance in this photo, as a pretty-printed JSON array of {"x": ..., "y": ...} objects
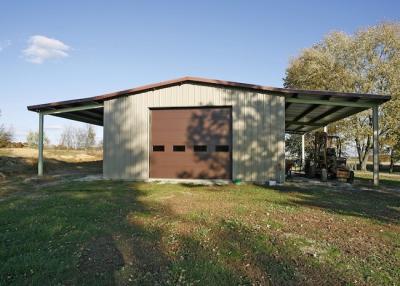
[{"x": 305, "y": 110}]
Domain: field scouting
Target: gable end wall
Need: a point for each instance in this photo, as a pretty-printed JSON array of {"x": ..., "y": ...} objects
[{"x": 258, "y": 130}]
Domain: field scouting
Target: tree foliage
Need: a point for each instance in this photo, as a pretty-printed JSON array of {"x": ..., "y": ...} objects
[
  {"x": 365, "y": 62},
  {"x": 6, "y": 135},
  {"x": 293, "y": 145},
  {"x": 78, "y": 138},
  {"x": 32, "y": 139},
  {"x": 90, "y": 139}
]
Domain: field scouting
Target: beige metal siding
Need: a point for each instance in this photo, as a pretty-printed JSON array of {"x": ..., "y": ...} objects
[{"x": 258, "y": 130}]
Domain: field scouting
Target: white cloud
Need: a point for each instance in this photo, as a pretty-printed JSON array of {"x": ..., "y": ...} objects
[
  {"x": 41, "y": 48},
  {"x": 4, "y": 44}
]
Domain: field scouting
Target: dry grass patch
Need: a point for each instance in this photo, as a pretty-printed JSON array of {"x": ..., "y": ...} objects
[{"x": 18, "y": 168}]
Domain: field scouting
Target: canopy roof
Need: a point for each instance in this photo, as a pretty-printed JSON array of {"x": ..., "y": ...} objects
[{"x": 305, "y": 110}]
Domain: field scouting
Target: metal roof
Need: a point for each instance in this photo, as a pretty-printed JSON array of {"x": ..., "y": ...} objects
[{"x": 305, "y": 110}]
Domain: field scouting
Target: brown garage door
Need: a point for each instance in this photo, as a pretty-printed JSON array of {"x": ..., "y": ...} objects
[{"x": 191, "y": 143}]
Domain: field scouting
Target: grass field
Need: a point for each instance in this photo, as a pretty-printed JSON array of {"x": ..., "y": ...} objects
[
  {"x": 385, "y": 178},
  {"x": 63, "y": 231},
  {"x": 23, "y": 161}
]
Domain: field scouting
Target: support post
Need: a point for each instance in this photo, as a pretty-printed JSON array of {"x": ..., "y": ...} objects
[
  {"x": 375, "y": 126},
  {"x": 303, "y": 154},
  {"x": 40, "y": 145}
]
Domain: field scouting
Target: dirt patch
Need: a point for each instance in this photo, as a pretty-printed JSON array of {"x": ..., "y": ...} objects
[
  {"x": 100, "y": 256},
  {"x": 90, "y": 178},
  {"x": 353, "y": 236}
]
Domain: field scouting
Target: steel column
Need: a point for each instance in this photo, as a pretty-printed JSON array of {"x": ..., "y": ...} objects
[
  {"x": 303, "y": 154},
  {"x": 40, "y": 144},
  {"x": 375, "y": 117}
]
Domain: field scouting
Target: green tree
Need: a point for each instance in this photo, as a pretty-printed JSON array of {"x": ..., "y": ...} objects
[
  {"x": 293, "y": 145},
  {"x": 6, "y": 135},
  {"x": 365, "y": 62}
]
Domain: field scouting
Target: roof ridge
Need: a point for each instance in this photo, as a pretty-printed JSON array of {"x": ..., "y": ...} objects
[{"x": 200, "y": 80}]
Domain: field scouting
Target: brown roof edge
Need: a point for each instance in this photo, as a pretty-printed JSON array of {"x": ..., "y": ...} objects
[{"x": 199, "y": 80}]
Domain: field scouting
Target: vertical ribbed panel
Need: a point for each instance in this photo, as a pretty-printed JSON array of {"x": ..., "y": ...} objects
[{"x": 258, "y": 130}]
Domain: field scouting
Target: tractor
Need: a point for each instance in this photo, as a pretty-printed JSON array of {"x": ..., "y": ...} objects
[{"x": 326, "y": 161}]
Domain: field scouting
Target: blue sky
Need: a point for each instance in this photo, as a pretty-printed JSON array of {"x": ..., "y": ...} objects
[{"x": 88, "y": 48}]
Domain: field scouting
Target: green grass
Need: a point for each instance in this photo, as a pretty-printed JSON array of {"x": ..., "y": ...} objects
[
  {"x": 385, "y": 178},
  {"x": 112, "y": 232}
]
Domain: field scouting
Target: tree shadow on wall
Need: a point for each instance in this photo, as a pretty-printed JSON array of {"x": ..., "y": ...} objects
[
  {"x": 254, "y": 144},
  {"x": 124, "y": 155},
  {"x": 210, "y": 127}
]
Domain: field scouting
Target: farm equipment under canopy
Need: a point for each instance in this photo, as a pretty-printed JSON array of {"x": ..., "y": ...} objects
[{"x": 326, "y": 159}]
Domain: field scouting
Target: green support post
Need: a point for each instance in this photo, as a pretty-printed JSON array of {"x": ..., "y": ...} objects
[
  {"x": 40, "y": 145},
  {"x": 375, "y": 118}
]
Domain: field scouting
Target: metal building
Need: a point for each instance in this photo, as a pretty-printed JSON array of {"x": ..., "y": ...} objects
[{"x": 196, "y": 128}]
